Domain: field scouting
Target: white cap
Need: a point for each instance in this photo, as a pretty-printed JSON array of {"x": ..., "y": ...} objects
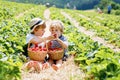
[{"x": 35, "y": 22}]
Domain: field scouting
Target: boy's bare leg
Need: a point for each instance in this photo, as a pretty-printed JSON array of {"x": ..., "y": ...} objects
[
  {"x": 45, "y": 65},
  {"x": 58, "y": 64},
  {"x": 34, "y": 66},
  {"x": 50, "y": 61}
]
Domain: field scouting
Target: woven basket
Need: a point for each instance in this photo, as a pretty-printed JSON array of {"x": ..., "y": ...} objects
[
  {"x": 37, "y": 55},
  {"x": 56, "y": 55}
]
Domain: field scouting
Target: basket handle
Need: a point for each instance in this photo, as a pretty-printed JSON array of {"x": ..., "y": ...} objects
[
  {"x": 28, "y": 46},
  {"x": 46, "y": 45}
]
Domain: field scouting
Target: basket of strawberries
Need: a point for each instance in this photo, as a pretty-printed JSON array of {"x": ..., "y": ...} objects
[
  {"x": 55, "y": 53},
  {"x": 37, "y": 53}
]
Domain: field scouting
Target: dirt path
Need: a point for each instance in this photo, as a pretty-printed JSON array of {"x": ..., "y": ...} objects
[
  {"x": 47, "y": 14},
  {"x": 48, "y": 21},
  {"x": 68, "y": 71},
  {"x": 91, "y": 34}
]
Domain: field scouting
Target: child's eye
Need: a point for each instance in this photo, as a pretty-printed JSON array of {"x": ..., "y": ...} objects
[{"x": 42, "y": 29}]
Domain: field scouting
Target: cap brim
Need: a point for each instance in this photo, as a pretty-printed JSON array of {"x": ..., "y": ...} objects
[{"x": 37, "y": 25}]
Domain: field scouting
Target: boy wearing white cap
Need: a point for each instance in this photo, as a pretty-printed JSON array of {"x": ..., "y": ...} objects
[{"x": 37, "y": 27}]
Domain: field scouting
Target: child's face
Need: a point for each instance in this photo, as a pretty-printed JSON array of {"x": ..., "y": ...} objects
[
  {"x": 56, "y": 31},
  {"x": 39, "y": 32}
]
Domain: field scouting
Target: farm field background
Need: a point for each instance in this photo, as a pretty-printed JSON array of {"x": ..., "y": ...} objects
[{"x": 98, "y": 60}]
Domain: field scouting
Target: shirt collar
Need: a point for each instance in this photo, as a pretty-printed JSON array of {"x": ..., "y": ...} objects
[{"x": 60, "y": 36}]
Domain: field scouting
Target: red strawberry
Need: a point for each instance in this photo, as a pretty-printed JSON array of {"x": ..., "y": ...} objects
[
  {"x": 40, "y": 47},
  {"x": 44, "y": 49},
  {"x": 59, "y": 48},
  {"x": 55, "y": 35},
  {"x": 50, "y": 43},
  {"x": 36, "y": 45}
]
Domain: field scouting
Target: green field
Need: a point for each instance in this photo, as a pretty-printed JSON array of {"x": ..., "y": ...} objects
[{"x": 98, "y": 61}]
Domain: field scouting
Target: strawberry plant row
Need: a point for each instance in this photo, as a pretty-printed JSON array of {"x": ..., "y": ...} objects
[
  {"x": 13, "y": 35},
  {"x": 10, "y": 9},
  {"x": 101, "y": 31},
  {"x": 97, "y": 61}
]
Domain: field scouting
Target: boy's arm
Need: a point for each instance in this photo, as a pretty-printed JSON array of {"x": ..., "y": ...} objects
[{"x": 37, "y": 40}]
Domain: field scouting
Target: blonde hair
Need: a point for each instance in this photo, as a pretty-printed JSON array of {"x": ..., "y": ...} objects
[{"x": 57, "y": 24}]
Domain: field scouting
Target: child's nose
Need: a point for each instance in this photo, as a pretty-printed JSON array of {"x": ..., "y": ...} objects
[{"x": 54, "y": 31}]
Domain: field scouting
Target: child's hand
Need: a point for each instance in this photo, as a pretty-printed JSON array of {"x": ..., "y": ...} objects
[{"x": 50, "y": 37}]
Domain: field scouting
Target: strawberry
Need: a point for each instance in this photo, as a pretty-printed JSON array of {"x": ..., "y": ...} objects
[
  {"x": 59, "y": 48},
  {"x": 55, "y": 35},
  {"x": 50, "y": 43},
  {"x": 36, "y": 45},
  {"x": 40, "y": 47},
  {"x": 44, "y": 49},
  {"x": 36, "y": 48}
]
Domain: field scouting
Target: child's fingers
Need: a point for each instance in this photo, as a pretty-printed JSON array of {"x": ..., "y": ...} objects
[
  {"x": 45, "y": 65},
  {"x": 51, "y": 37}
]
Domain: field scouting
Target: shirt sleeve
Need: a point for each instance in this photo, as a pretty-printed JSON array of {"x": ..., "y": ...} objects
[
  {"x": 29, "y": 37},
  {"x": 66, "y": 42},
  {"x": 64, "y": 39}
]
